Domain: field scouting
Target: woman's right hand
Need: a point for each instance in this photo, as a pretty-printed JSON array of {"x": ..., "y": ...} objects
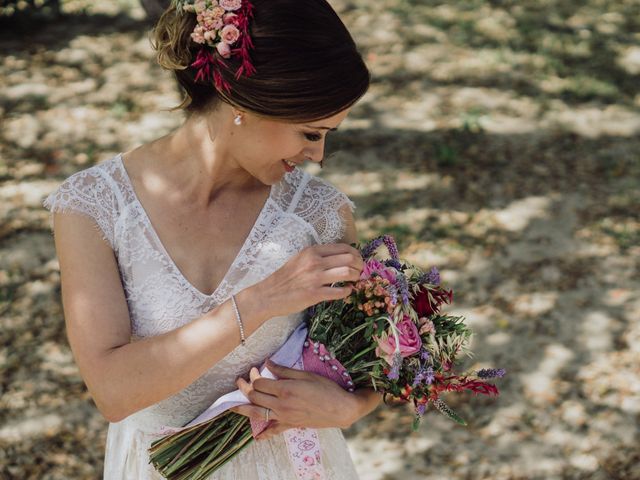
[{"x": 306, "y": 278}]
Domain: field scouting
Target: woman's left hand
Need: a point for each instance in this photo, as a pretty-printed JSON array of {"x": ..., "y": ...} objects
[{"x": 298, "y": 399}]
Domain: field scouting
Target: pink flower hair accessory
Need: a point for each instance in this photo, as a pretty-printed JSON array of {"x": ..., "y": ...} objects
[{"x": 223, "y": 31}]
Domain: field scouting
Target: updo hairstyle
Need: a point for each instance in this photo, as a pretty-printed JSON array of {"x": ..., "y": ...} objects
[{"x": 307, "y": 64}]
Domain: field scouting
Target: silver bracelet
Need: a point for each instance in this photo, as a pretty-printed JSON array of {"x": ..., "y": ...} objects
[{"x": 235, "y": 307}]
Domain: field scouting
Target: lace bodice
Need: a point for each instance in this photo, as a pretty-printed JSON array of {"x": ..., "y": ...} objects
[{"x": 301, "y": 210}]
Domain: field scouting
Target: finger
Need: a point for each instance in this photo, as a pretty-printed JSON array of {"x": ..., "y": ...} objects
[
  {"x": 268, "y": 385},
  {"x": 254, "y": 374},
  {"x": 255, "y": 397},
  {"x": 273, "y": 429},
  {"x": 267, "y": 431},
  {"x": 340, "y": 274},
  {"x": 254, "y": 411},
  {"x": 334, "y": 293},
  {"x": 283, "y": 372},
  {"x": 346, "y": 259},
  {"x": 326, "y": 249}
]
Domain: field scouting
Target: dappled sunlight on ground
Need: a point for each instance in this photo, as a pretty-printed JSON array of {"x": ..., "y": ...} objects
[{"x": 500, "y": 141}]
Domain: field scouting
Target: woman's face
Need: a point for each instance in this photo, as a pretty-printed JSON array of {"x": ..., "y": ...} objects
[{"x": 269, "y": 149}]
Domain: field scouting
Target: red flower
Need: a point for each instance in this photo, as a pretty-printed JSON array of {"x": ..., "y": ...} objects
[
  {"x": 406, "y": 391},
  {"x": 427, "y": 301},
  {"x": 455, "y": 383}
]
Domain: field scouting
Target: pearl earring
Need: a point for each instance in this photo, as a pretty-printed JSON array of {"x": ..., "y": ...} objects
[{"x": 238, "y": 119}]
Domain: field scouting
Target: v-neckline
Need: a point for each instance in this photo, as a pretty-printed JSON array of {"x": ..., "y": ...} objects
[{"x": 166, "y": 252}]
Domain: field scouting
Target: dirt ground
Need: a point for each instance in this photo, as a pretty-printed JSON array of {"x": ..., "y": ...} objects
[{"x": 500, "y": 141}]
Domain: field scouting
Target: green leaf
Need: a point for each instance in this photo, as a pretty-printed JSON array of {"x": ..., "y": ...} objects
[{"x": 415, "y": 424}]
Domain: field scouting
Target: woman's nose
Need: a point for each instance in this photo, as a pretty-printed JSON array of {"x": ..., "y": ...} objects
[{"x": 315, "y": 155}]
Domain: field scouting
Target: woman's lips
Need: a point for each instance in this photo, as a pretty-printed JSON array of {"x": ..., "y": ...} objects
[{"x": 287, "y": 167}]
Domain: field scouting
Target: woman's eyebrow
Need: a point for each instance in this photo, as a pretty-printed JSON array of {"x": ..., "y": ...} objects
[{"x": 326, "y": 128}]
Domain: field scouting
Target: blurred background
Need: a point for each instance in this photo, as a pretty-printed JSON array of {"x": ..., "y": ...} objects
[{"x": 500, "y": 142}]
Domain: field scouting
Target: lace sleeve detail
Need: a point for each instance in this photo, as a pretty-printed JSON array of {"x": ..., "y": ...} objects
[
  {"x": 89, "y": 193},
  {"x": 324, "y": 206}
]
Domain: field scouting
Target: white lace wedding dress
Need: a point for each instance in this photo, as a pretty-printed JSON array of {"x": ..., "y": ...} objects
[{"x": 301, "y": 210}]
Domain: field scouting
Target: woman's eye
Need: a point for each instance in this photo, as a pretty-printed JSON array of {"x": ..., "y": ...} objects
[{"x": 314, "y": 137}]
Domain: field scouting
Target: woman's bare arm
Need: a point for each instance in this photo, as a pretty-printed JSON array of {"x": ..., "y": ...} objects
[{"x": 124, "y": 377}]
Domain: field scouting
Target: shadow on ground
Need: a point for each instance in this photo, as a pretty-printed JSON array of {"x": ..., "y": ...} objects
[{"x": 499, "y": 141}]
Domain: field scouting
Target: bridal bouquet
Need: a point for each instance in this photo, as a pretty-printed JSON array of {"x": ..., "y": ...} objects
[{"x": 388, "y": 334}]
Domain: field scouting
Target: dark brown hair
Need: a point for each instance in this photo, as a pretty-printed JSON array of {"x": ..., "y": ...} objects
[{"x": 307, "y": 65}]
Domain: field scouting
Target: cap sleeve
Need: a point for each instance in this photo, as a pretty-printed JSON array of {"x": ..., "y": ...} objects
[
  {"x": 89, "y": 193},
  {"x": 325, "y": 207}
]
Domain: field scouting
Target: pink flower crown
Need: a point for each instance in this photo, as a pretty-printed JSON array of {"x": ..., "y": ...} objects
[{"x": 221, "y": 25}]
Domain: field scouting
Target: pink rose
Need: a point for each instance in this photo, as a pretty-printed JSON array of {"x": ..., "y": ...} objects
[
  {"x": 229, "y": 34},
  {"x": 410, "y": 341},
  {"x": 309, "y": 460},
  {"x": 373, "y": 265},
  {"x": 228, "y": 18},
  {"x": 230, "y": 4},
  {"x": 223, "y": 49}
]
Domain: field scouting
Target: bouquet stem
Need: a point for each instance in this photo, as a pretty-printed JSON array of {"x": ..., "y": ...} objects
[{"x": 173, "y": 456}]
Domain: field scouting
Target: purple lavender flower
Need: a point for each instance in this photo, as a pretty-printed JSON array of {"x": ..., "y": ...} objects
[
  {"x": 418, "y": 378},
  {"x": 433, "y": 276},
  {"x": 394, "y": 373},
  {"x": 491, "y": 372},
  {"x": 393, "y": 293},
  {"x": 371, "y": 247},
  {"x": 424, "y": 355},
  {"x": 423, "y": 375},
  {"x": 391, "y": 246},
  {"x": 401, "y": 282},
  {"x": 368, "y": 250},
  {"x": 429, "y": 376},
  {"x": 421, "y": 408},
  {"x": 393, "y": 263}
]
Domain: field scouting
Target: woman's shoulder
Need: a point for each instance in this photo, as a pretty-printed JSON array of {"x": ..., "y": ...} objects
[
  {"x": 89, "y": 179},
  {"x": 317, "y": 201},
  {"x": 325, "y": 191},
  {"x": 90, "y": 191}
]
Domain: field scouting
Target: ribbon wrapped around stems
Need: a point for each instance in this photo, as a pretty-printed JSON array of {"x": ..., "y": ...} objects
[{"x": 303, "y": 444}]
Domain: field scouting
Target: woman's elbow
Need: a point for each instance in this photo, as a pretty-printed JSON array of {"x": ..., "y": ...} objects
[{"x": 109, "y": 411}]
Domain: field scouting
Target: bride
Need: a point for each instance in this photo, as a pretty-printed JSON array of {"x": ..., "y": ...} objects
[{"x": 194, "y": 255}]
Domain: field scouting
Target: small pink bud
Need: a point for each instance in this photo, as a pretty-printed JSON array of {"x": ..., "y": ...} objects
[{"x": 223, "y": 49}]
